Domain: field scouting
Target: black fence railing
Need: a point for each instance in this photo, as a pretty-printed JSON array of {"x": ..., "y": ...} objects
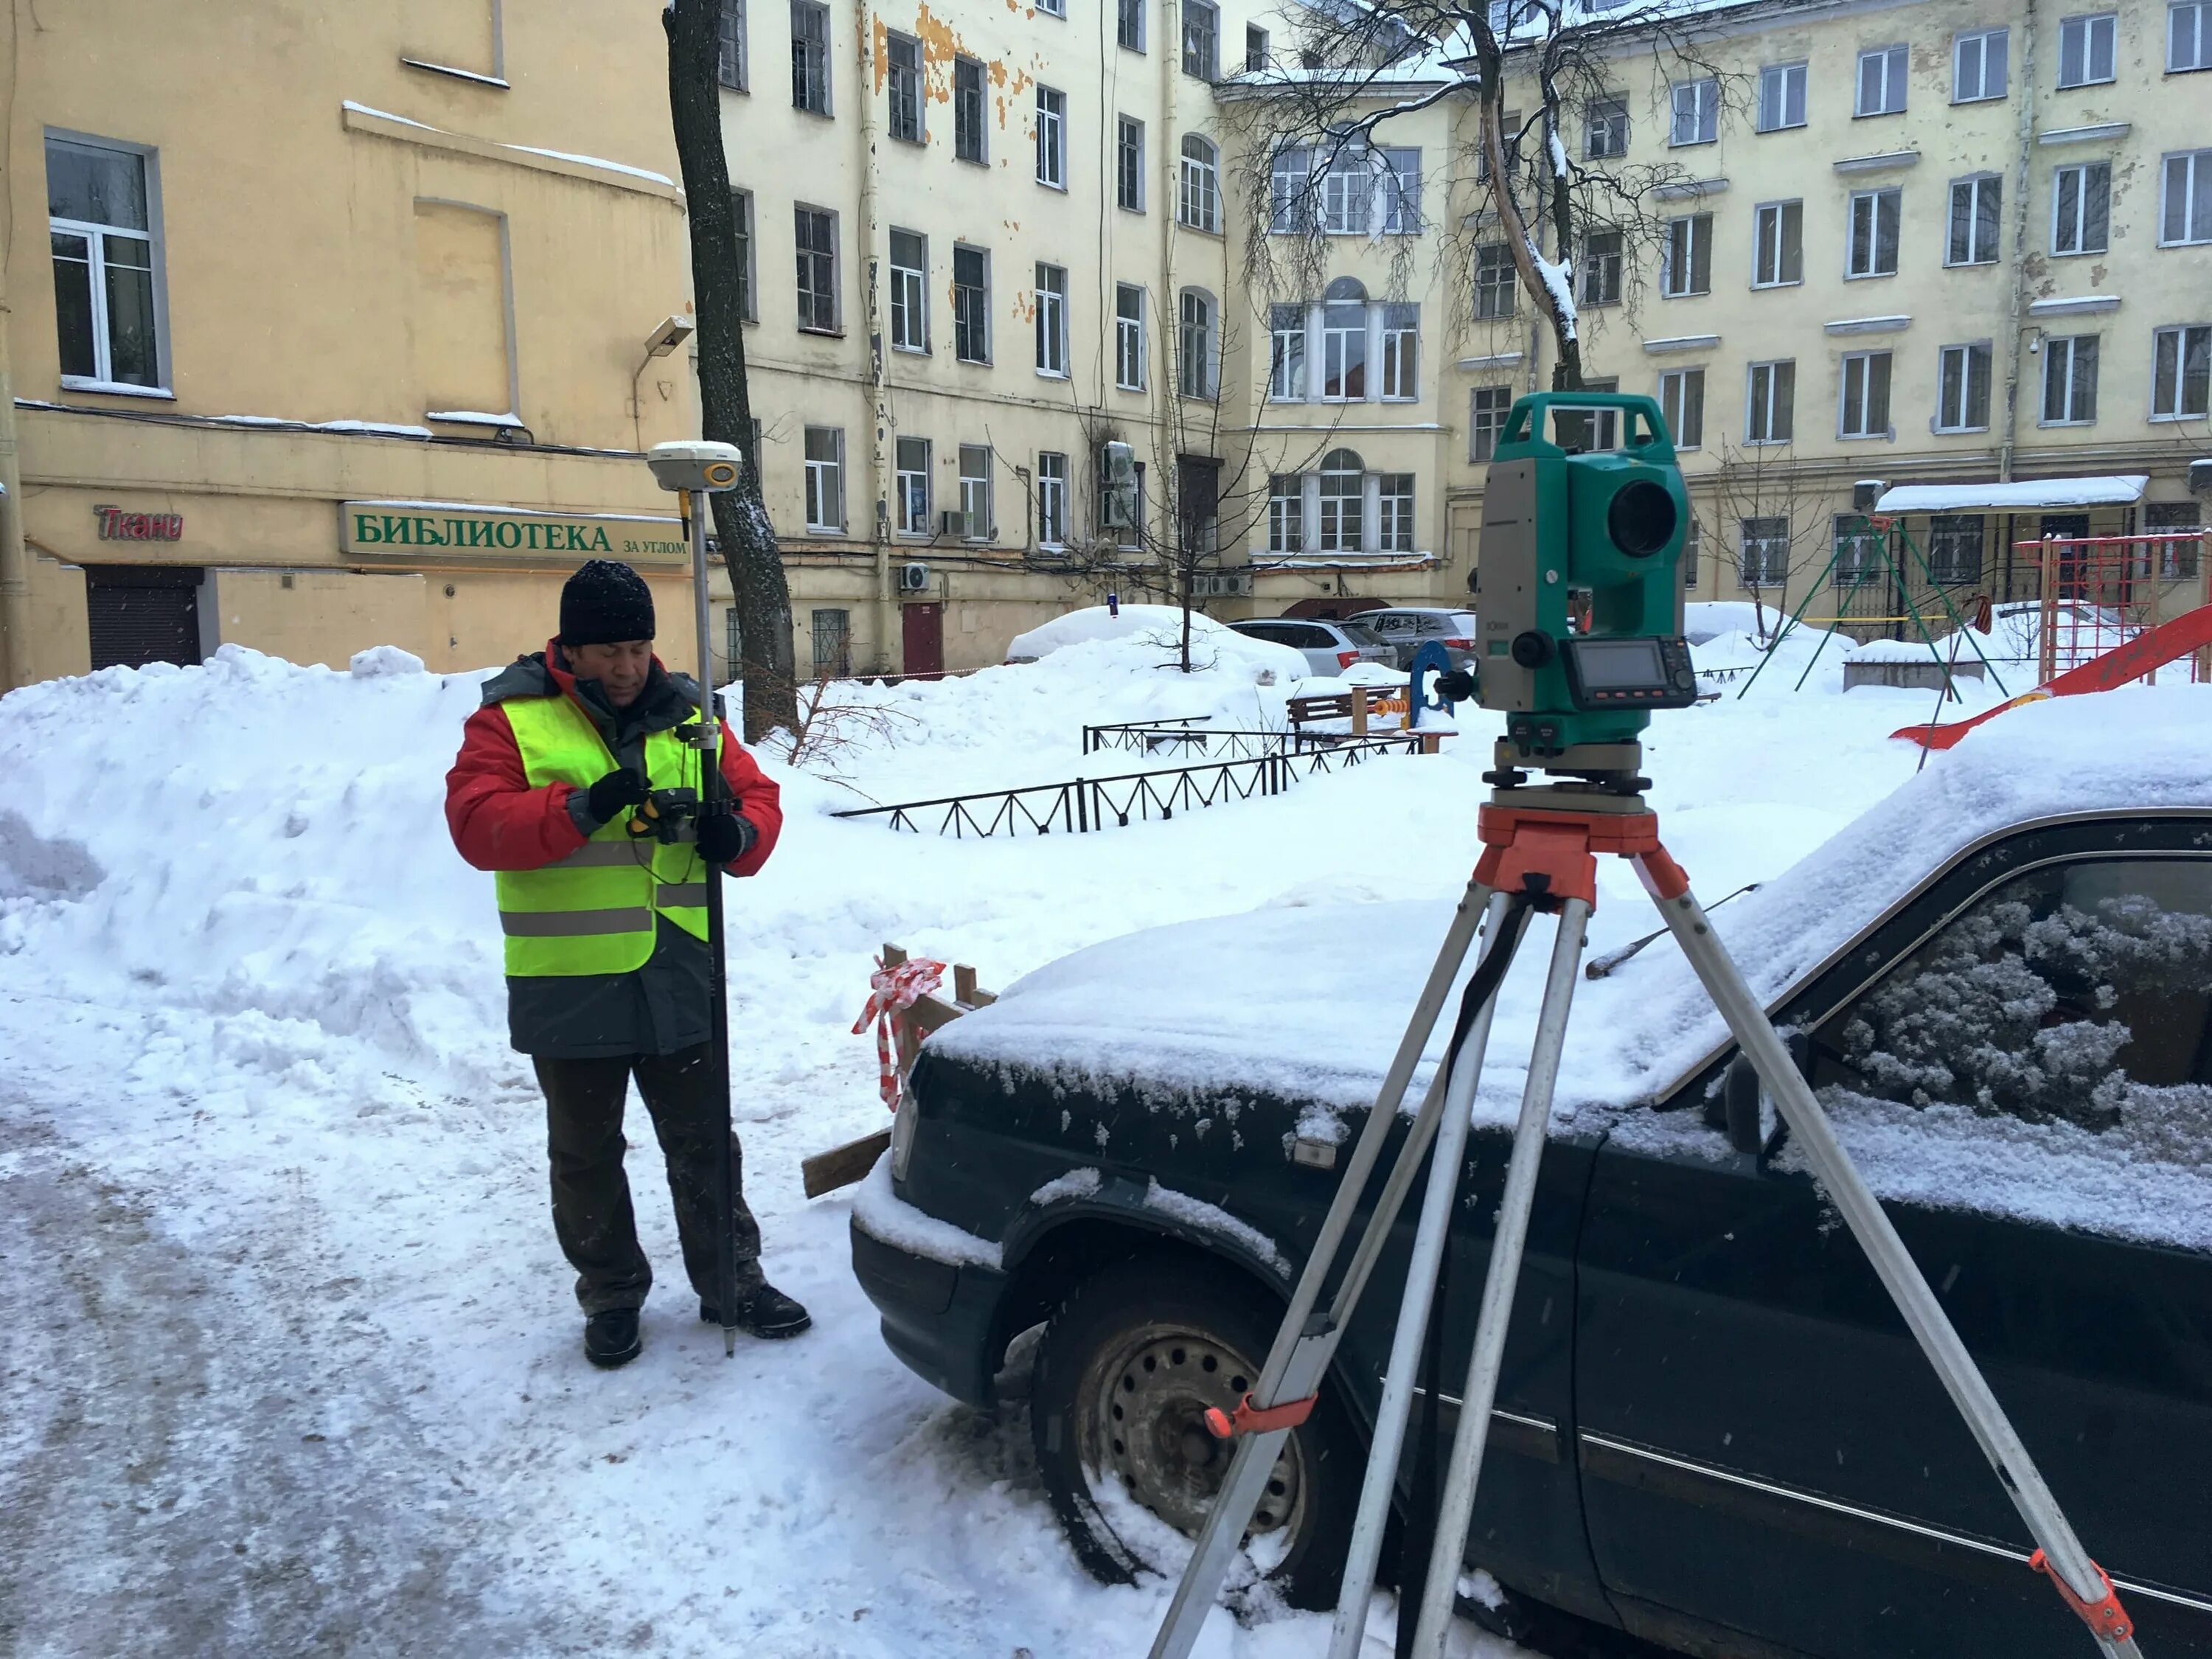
[
  {"x": 1082, "y": 804},
  {"x": 1191, "y": 734}
]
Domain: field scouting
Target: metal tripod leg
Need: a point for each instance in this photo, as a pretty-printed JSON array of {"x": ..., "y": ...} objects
[
  {"x": 1305, "y": 1343},
  {"x": 1455, "y": 1506},
  {"x": 1429, "y": 1238},
  {"x": 1900, "y": 1275}
]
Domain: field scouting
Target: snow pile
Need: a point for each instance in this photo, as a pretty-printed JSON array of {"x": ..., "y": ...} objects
[
  {"x": 1157, "y": 628},
  {"x": 1707, "y": 619}
]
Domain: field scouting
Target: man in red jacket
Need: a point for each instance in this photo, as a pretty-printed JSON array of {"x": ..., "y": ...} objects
[{"x": 606, "y": 955}]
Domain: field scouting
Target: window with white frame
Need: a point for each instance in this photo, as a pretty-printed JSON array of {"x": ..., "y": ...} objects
[
  {"x": 1590, "y": 428},
  {"x": 1195, "y": 345},
  {"x": 1509, "y": 125},
  {"x": 741, "y": 212},
  {"x": 1344, "y": 343},
  {"x": 2177, "y": 559},
  {"x": 2085, "y": 48},
  {"x": 1129, "y": 25},
  {"x": 2188, "y": 35},
  {"x": 730, "y": 46},
  {"x": 1962, "y": 388},
  {"x": 1860, "y": 549},
  {"x": 1255, "y": 50},
  {"x": 1347, "y": 193},
  {"x": 1683, "y": 404},
  {"x": 903, "y": 56},
  {"x": 1052, "y": 137},
  {"x": 1977, "y": 65},
  {"x": 1394, "y": 512},
  {"x": 1052, "y": 498},
  {"x": 1290, "y": 190},
  {"x": 2185, "y": 214},
  {"x": 1881, "y": 81},
  {"x": 1770, "y": 404},
  {"x": 1287, "y": 513},
  {"x": 2082, "y": 208},
  {"x": 1605, "y": 128},
  {"x": 1976, "y": 205},
  {"x": 1401, "y": 192},
  {"x": 1286, "y": 354},
  {"x": 1600, "y": 267},
  {"x": 1871, "y": 248},
  {"x": 1486, "y": 409},
  {"x": 909, "y": 291},
  {"x": 971, "y": 305},
  {"x": 910, "y": 459},
  {"x": 1763, "y": 557},
  {"x": 1343, "y": 485},
  {"x": 833, "y": 642},
  {"x": 1778, "y": 244},
  {"x": 1401, "y": 350},
  {"x": 977, "y": 523},
  {"x": 1696, "y": 107},
  {"x": 2181, "y": 372},
  {"x": 1053, "y": 8},
  {"x": 2070, "y": 380},
  {"x": 1496, "y": 283},
  {"x": 1201, "y": 40},
  {"x": 1129, "y": 163},
  {"x": 1686, "y": 257},
  {"x": 971, "y": 123},
  {"x": 1052, "y": 321},
  {"x": 1129, "y": 337},
  {"x": 815, "y": 230},
  {"x": 809, "y": 56},
  {"x": 826, "y": 478},
  {"x": 1864, "y": 409},
  {"x": 1955, "y": 542},
  {"x": 1781, "y": 97},
  {"x": 1198, "y": 203},
  {"x": 102, "y": 214}
]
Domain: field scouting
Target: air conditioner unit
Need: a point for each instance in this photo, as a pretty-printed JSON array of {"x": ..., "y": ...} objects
[
  {"x": 1866, "y": 492},
  {"x": 954, "y": 525},
  {"x": 1222, "y": 585},
  {"x": 914, "y": 578},
  {"x": 2200, "y": 477}
]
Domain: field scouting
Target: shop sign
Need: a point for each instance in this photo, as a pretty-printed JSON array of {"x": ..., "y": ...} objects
[
  {"x": 117, "y": 525},
  {"x": 410, "y": 529}
]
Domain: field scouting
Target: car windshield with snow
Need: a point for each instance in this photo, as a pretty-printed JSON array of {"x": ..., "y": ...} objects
[{"x": 1712, "y": 1429}]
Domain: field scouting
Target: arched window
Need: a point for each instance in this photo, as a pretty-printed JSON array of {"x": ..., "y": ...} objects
[
  {"x": 1344, "y": 342},
  {"x": 1343, "y": 478},
  {"x": 1199, "y": 204},
  {"x": 1194, "y": 376}
]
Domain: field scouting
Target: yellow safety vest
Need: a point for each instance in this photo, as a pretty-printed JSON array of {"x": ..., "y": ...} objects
[{"x": 594, "y": 912}]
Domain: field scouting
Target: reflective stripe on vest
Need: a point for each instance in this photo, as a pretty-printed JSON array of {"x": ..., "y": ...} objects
[{"x": 596, "y": 910}]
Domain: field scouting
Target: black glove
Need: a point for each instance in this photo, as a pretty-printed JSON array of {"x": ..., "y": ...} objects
[
  {"x": 616, "y": 790},
  {"x": 726, "y": 837}
]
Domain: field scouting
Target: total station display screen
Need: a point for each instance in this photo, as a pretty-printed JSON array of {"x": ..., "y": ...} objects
[{"x": 1630, "y": 664}]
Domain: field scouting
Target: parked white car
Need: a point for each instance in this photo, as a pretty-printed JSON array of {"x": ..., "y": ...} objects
[{"x": 1329, "y": 647}]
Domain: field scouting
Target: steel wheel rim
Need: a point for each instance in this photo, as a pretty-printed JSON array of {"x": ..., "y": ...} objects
[{"x": 1142, "y": 1419}]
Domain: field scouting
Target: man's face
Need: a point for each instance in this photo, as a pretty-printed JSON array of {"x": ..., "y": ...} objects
[{"x": 619, "y": 668}]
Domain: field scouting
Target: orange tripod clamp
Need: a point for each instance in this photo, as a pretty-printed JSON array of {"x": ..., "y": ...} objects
[
  {"x": 2108, "y": 1619},
  {"x": 1248, "y": 1419},
  {"x": 1554, "y": 853}
]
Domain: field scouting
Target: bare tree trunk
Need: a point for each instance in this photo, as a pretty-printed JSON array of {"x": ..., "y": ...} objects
[
  {"x": 757, "y": 586},
  {"x": 1567, "y": 375}
]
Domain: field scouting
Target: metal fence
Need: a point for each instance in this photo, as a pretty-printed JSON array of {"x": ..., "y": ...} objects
[
  {"x": 1191, "y": 734},
  {"x": 1082, "y": 804}
]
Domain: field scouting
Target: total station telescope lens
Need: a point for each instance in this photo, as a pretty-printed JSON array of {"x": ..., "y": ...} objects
[{"x": 1641, "y": 518}]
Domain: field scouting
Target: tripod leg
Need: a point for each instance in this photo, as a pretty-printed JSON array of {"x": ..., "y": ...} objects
[
  {"x": 1304, "y": 1345},
  {"x": 1455, "y": 1509},
  {"x": 1437, "y": 1205},
  {"x": 1900, "y": 1275}
]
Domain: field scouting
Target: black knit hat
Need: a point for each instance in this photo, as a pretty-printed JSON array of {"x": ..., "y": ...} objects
[{"x": 604, "y": 602}]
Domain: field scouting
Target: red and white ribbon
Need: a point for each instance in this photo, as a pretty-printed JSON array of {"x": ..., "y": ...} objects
[{"x": 893, "y": 991}]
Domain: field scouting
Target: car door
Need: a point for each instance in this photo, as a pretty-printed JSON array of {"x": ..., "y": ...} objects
[{"x": 2020, "y": 1060}]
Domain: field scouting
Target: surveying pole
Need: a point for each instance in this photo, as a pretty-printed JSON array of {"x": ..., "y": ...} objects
[
  {"x": 1556, "y": 521},
  {"x": 696, "y": 472}
]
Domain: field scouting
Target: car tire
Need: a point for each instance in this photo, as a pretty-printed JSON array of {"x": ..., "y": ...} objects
[{"x": 1157, "y": 1343}]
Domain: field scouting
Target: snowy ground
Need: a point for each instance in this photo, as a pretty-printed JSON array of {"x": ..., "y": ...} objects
[{"x": 292, "y": 1361}]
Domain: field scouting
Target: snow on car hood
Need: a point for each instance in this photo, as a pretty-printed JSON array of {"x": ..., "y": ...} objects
[{"x": 1309, "y": 1002}]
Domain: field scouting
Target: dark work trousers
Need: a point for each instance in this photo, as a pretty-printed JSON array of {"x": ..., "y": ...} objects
[{"x": 592, "y": 1214}]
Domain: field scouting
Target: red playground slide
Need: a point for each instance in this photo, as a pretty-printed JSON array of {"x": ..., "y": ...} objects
[{"x": 2130, "y": 660}]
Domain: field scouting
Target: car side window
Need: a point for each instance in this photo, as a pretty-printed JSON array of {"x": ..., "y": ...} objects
[
  {"x": 1387, "y": 623},
  {"x": 2080, "y": 991},
  {"x": 1314, "y": 639},
  {"x": 1260, "y": 630}
]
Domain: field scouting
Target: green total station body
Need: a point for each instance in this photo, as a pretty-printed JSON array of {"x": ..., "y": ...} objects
[{"x": 1595, "y": 534}]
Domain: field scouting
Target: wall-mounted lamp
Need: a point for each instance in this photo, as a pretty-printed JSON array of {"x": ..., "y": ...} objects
[{"x": 672, "y": 333}]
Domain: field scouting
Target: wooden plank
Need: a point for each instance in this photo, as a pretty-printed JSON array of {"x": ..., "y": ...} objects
[
  {"x": 842, "y": 1166},
  {"x": 963, "y": 985},
  {"x": 1359, "y": 711}
]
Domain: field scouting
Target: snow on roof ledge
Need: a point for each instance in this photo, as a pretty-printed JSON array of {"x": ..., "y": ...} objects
[{"x": 2119, "y": 489}]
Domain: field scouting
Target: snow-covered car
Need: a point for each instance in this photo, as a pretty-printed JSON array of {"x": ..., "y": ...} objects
[
  {"x": 1712, "y": 1430},
  {"x": 1405, "y": 629},
  {"x": 1330, "y": 648}
]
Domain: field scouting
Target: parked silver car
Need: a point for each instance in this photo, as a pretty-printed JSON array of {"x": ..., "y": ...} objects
[
  {"x": 1406, "y": 629},
  {"x": 1330, "y": 646}
]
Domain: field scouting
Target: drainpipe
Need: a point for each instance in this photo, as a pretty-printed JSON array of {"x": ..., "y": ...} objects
[
  {"x": 878, "y": 410},
  {"x": 2016, "y": 316},
  {"x": 1168, "y": 324},
  {"x": 15, "y": 566}
]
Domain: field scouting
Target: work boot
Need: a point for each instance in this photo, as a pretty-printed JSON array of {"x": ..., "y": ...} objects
[
  {"x": 766, "y": 1312},
  {"x": 611, "y": 1338}
]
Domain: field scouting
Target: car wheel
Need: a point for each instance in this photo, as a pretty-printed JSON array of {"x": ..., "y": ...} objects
[{"x": 1128, "y": 1368}]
